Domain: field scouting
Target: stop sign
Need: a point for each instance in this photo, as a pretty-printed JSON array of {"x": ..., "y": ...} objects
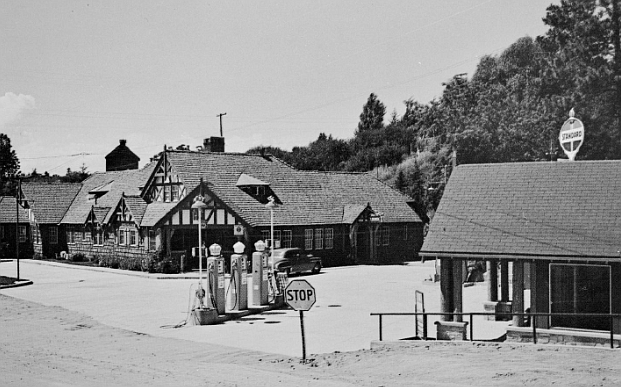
[{"x": 300, "y": 295}]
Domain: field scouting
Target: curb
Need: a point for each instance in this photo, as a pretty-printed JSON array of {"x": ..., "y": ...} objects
[
  {"x": 16, "y": 285},
  {"x": 182, "y": 276}
]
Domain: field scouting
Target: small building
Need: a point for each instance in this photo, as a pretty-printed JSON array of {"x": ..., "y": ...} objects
[
  {"x": 551, "y": 231},
  {"x": 14, "y": 229},
  {"x": 46, "y": 204}
]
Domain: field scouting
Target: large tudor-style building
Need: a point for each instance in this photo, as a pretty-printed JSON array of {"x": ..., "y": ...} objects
[{"x": 134, "y": 214}]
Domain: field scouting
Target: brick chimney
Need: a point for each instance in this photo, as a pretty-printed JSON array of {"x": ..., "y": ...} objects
[{"x": 213, "y": 144}]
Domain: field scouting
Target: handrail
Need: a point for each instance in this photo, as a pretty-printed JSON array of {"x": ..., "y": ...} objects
[{"x": 612, "y": 316}]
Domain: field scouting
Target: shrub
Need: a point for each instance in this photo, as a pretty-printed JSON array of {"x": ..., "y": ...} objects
[
  {"x": 78, "y": 257},
  {"x": 131, "y": 263}
]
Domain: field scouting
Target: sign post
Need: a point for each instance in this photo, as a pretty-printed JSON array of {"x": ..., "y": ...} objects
[{"x": 300, "y": 295}]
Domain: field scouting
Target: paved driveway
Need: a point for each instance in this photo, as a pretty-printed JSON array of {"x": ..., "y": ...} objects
[{"x": 339, "y": 321}]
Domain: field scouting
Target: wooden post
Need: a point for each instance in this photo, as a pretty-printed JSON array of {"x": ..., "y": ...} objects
[
  {"x": 518, "y": 293},
  {"x": 446, "y": 288},
  {"x": 504, "y": 281},
  {"x": 304, "y": 337},
  {"x": 458, "y": 274},
  {"x": 492, "y": 286}
]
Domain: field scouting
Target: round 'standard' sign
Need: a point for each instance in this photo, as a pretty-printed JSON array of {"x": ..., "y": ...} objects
[
  {"x": 571, "y": 136},
  {"x": 300, "y": 295}
]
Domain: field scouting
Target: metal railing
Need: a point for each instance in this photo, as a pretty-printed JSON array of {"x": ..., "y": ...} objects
[{"x": 530, "y": 316}]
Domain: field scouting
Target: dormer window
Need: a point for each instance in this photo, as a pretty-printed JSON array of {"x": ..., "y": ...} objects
[
  {"x": 100, "y": 191},
  {"x": 256, "y": 188}
]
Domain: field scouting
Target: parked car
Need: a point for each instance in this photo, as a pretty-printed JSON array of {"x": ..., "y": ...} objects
[{"x": 295, "y": 260}]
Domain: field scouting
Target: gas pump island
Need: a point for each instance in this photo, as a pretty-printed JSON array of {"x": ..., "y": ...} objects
[{"x": 227, "y": 295}]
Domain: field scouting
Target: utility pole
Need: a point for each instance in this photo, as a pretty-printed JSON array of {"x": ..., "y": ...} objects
[
  {"x": 220, "y": 115},
  {"x": 17, "y": 200}
]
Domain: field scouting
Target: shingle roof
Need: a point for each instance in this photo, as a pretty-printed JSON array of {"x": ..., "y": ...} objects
[
  {"x": 553, "y": 209},
  {"x": 308, "y": 197},
  {"x": 117, "y": 183},
  {"x": 154, "y": 212},
  {"x": 9, "y": 212},
  {"x": 49, "y": 200},
  {"x": 137, "y": 206}
]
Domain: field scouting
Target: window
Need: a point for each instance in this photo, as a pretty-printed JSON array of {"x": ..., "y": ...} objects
[
  {"x": 23, "y": 234},
  {"x": 385, "y": 235},
  {"x": 122, "y": 237},
  {"x": 69, "y": 235},
  {"x": 167, "y": 193},
  {"x": 98, "y": 237},
  {"x": 175, "y": 193},
  {"x": 1, "y": 232},
  {"x": 277, "y": 240},
  {"x": 84, "y": 233},
  {"x": 152, "y": 246},
  {"x": 265, "y": 234},
  {"x": 329, "y": 238},
  {"x": 133, "y": 238},
  {"x": 319, "y": 238},
  {"x": 53, "y": 235},
  {"x": 405, "y": 232},
  {"x": 286, "y": 238},
  {"x": 308, "y": 239}
]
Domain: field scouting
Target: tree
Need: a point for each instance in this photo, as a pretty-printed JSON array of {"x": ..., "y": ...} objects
[
  {"x": 372, "y": 116},
  {"x": 75, "y": 176},
  {"x": 583, "y": 71},
  {"x": 9, "y": 167}
]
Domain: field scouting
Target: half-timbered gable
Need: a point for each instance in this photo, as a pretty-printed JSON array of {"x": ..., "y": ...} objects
[{"x": 165, "y": 185}]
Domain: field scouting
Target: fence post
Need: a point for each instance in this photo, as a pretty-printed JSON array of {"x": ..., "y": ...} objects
[
  {"x": 534, "y": 322},
  {"x": 471, "y": 329},
  {"x": 612, "y": 332},
  {"x": 380, "y": 327}
]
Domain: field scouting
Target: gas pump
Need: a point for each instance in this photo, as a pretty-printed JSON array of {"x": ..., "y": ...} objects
[
  {"x": 260, "y": 285},
  {"x": 215, "y": 278},
  {"x": 237, "y": 292}
]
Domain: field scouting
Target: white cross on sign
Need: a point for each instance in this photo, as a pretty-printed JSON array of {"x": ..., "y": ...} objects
[{"x": 300, "y": 295}]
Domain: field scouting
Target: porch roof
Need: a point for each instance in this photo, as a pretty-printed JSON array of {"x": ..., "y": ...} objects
[{"x": 539, "y": 210}]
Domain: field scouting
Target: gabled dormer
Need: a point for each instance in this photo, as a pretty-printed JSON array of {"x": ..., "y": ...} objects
[
  {"x": 97, "y": 216},
  {"x": 99, "y": 191},
  {"x": 165, "y": 185},
  {"x": 258, "y": 189}
]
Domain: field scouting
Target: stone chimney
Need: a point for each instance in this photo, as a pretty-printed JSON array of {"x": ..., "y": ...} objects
[{"x": 213, "y": 144}]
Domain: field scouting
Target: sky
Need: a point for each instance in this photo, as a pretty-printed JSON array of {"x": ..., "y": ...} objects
[{"x": 78, "y": 76}]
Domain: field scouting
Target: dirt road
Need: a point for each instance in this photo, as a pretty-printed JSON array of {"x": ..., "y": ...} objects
[{"x": 51, "y": 346}]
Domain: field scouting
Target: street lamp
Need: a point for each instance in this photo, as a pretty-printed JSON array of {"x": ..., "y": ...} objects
[{"x": 199, "y": 205}]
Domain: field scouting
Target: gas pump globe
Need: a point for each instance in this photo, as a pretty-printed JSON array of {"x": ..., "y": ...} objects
[
  {"x": 215, "y": 249},
  {"x": 239, "y": 248},
  {"x": 259, "y": 246}
]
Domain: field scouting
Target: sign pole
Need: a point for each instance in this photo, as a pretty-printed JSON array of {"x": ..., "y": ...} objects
[{"x": 303, "y": 337}]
